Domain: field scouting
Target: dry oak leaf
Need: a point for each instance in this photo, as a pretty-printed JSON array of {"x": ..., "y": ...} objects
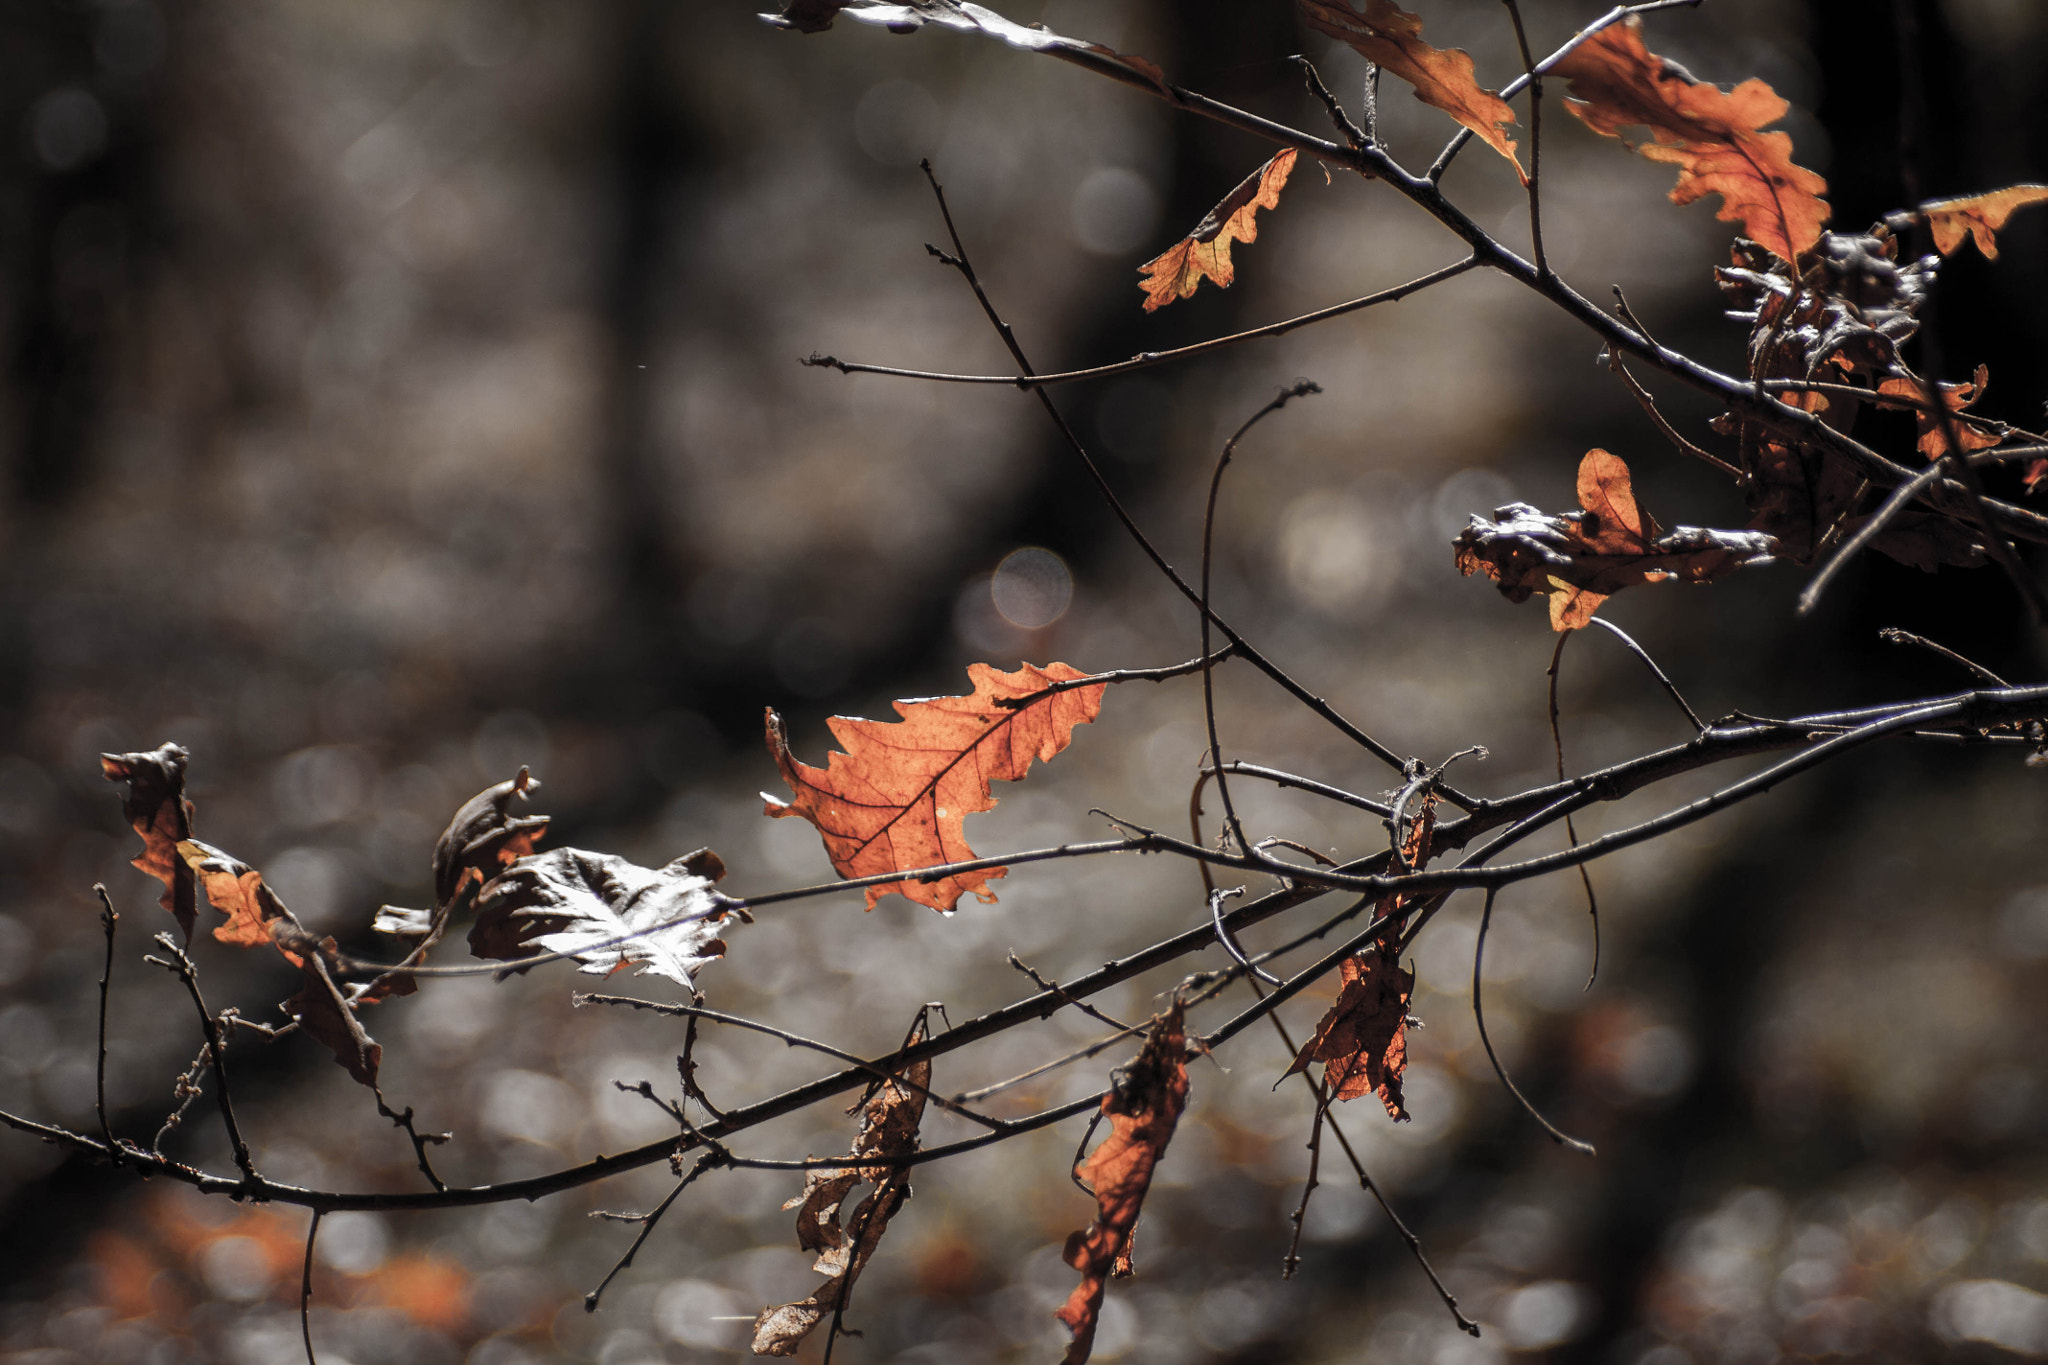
[
  {"x": 1205, "y": 252},
  {"x": 255, "y": 915},
  {"x": 1714, "y": 137},
  {"x": 1362, "y": 1041},
  {"x": 1442, "y": 77},
  {"x": 1933, "y": 442},
  {"x": 1580, "y": 559},
  {"x": 1143, "y": 1107},
  {"x": 815, "y": 16},
  {"x": 891, "y": 1115},
  {"x": 1979, "y": 217},
  {"x": 485, "y": 836},
  {"x": 605, "y": 912},
  {"x": 321, "y": 1011},
  {"x": 156, "y": 808},
  {"x": 896, "y": 799}
]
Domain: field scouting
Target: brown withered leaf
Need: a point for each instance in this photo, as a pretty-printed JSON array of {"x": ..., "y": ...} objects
[
  {"x": 896, "y": 799},
  {"x": 605, "y": 912},
  {"x": 1205, "y": 252},
  {"x": 1582, "y": 558},
  {"x": 156, "y": 808},
  {"x": 889, "y": 1123},
  {"x": 254, "y": 914},
  {"x": 1716, "y": 138},
  {"x": 815, "y": 16},
  {"x": 1442, "y": 77},
  {"x": 321, "y": 1011},
  {"x": 1978, "y": 217},
  {"x": 1851, "y": 313},
  {"x": 485, "y": 836},
  {"x": 1143, "y": 1107},
  {"x": 2036, "y": 475},
  {"x": 1362, "y": 1040},
  {"x": 1933, "y": 441}
]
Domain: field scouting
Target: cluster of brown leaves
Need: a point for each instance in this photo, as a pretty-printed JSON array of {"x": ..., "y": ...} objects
[
  {"x": 1580, "y": 559},
  {"x": 1143, "y": 1107},
  {"x": 602, "y": 911},
  {"x": 890, "y": 1117},
  {"x": 896, "y": 799}
]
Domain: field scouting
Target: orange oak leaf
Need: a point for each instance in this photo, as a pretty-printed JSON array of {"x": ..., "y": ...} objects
[
  {"x": 1442, "y": 77},
  {"x": 1205, "y": 252},
  {"x": 888, "y": 1127},
  {"x": 1933, "y": 441},
  {"x": 1580, "y": 559},
  {"x": 1143, "y": 1109},
  {"x": 1716, "y": 138},
  {"x": 1362, "y": 1041},
  {"x": 255, "y": 915},
  {"x": 1978, "y": 217},
  {"x": 896, "y": 800},
  {"x": 157, "y": 810}
]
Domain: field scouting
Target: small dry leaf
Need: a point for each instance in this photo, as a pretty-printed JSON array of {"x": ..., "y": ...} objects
[
  {"x": 897, "y": 798},
  {"x": 485, "y": 837},
  {"x": 1205, "y": 252},
  {"x": 321, "y": 1011},
  {"x": 1933, "y": 441},
  {"x": 1442, "y": 77},
  {"x": 1580, "y": 559},
  {"x": 1978, "y": 217},
  {"x": 605, "y": 912},
  {"x": 1362, "y": 1041},
  {"x": 1143, "y": 1108},
  {"x": 157, "y": 809},
  {"x": 1716, "y": 138},
  {"x": 255, "y": 915},
  {"x": 889, "y": 1124},
  {"x": 2036, "y": 475}
]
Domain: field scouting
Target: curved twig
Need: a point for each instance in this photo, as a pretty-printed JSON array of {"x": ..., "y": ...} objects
[{"x": 1479, "y": 1015}]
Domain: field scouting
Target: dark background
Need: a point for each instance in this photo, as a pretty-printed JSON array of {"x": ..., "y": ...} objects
[{"x": 398, "y": 393}]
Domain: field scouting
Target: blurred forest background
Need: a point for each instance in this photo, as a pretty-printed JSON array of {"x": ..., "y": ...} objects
[{"x": 402, "y": 391}]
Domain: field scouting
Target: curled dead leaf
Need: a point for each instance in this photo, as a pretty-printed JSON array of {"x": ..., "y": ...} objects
[
  {"x": 485, "y": 836},
  {"x": 321, "y": 1011},
  {"x": 890, "y": 1119},
  {"x": 254, "y": 914},
  {"x": 1978, "y": 217},
  {"x": 1205, "y": 252},
  {"x": 156, "y": 808},
  {"x": 1143, "y": 1108},
  {"x": 1362, "y": 1040},
  {"x": 1580, "y": 559}
]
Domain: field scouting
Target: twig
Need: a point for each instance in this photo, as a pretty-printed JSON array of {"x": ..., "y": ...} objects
[
  {"x": 1368, "y": 1184},
  {"x": 791, "y": 1040},
  {"x": 420, "y": 1141},
  {"x": 306, "y": 1291},
  {"x": 1291, "y": 1262},
  {"x": 1535, "y": 140},
  {"x": 108, "y": 919},
  {"x": 1284, "y": 779},
  {"x": 647, "y": 1223},
  {"x": 1147, "y": 359},
  {"x": 1349, "y": 131},
  {"x": 1571, "y": 831},
  {"x": 1656, "y": 416},
  {"x": 1116, "y": 675},
  {"x": 1054, "y": 987},
  {"x": 1479, "y": 1014},
  {"x": 1670, "y": 688},
  {"x": 1079, "y": 1055},
  {"x": 1872, "y": 527},
  {"x": 182, "y": 966},
  {"x": 185, "y": 1088},
  {"x": 686, "y": 1070},
  {"x": 1893, "y": 635},
  {"x": 1216, "y": 899},
  {"x": 1300, "y": 389}
]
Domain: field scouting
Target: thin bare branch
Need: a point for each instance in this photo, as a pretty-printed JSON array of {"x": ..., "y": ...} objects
[
  {"x": 1479, "y": 1016},
  {"x": 1894, "y": 636},
  {"x": 181, "y": 966}
]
